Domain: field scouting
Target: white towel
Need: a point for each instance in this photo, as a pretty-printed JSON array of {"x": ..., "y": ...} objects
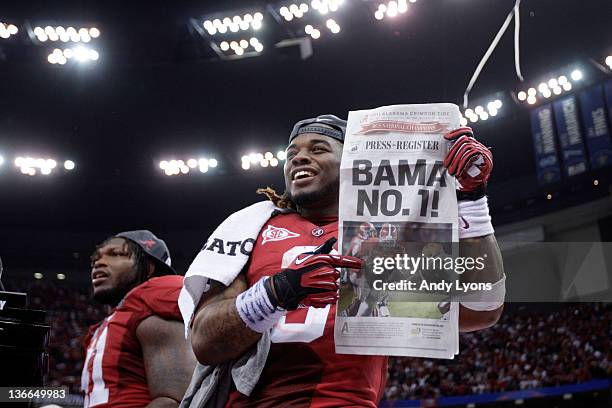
[{"x": 224, "y": 255}]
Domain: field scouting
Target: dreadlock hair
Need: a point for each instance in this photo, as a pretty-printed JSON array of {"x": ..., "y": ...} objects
[
  {"x": 281, "y": 201},
  {"x": 141, "y": 258}
]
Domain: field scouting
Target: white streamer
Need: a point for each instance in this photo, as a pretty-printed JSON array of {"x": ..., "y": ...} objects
[
  {"x": 513, "y": 13},
  {"x": 517, "y": 27}
]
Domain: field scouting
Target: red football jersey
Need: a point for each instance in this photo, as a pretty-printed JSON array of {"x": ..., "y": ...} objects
[
  {"x": 114, "y": 372},
  {"x": 303, "y": 369}
]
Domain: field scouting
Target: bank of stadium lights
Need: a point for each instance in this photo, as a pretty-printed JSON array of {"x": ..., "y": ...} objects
[
  {"x": 332, "y": 26},
  {"x": 608, "y": 61},
  {"x": 239, "y": 47},
  {"x": 311, "y": 31},
  {"x": 6, "y": 30},
  {"x": 292, "y": 11},
  {"x": 480, "y": 112},
  {"x": 392, "y": 9},
  {"x": 315, "y": 33},
  {"x": 78, "y": 54},
  {"x": 65, "y": 34},
  {"x": 326, "y": 6},
  {"x": 220, "y": 26},
  {"x": 552, "y": 87},
  {"x": 178, "y": 167},
  {"x": 32, "y": 166},
  {"x": 267, "y": 159}
]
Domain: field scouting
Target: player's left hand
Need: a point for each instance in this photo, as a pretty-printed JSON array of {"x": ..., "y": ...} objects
[
  {"x": 469, "y": 161},
  {"x": 311, "y": 279}
]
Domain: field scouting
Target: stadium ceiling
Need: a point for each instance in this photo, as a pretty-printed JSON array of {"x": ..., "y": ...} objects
[{"x": 159, "y": 91}]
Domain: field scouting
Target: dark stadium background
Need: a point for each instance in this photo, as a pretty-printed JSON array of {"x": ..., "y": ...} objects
[{"x": 154, "y": 94}]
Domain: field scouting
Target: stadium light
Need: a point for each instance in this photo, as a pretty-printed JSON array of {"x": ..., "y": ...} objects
[
  {"x": 79, "y": 54},
  {"x": 332, "y": 26},
  {"x": 317, "y": 16},
  {"x": 38, "y": 275},
  {"x": 226, "y": 33},
  {"x": 608, "y": 61},
  {"x": 60, "y": 276},
  {"x": 32, "y": 166},
  {"x": 177, "y": 167},
  {"x": 1, "y": 160},
  {"x": 65, "y": 34},
  {"x": 241, "y": 47},
  {"x": 217, "y": 25},
  {"x": 551, "y": 86},
  {"x": 69, "y": 165},
  {"x": 267, "y": 159},
  {"x": 7, "y": 29},
  {"x": 311, "y": 31},
  {"x": 391, "y": 9},
  {"x": 482, "y": 112},
  {"x": 325, "y": 7},
  {"x": 291, "y": 11},
  {"x": 576, "y": 75}
]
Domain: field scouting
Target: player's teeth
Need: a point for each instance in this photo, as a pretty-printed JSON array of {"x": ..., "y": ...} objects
[{"x": 303, "y": 173}]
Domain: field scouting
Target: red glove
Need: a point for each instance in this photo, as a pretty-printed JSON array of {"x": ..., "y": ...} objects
[
  {"x": 311, "y": 279},
  {"x": 469, "y": 161}
]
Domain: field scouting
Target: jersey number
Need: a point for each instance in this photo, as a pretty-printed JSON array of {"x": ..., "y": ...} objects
[
  {"x": 92, "y": 369},
  {"x": 302, "y": 325}
]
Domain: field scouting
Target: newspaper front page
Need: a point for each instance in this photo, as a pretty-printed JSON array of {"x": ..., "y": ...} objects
[{"x": 398, "y": 212}]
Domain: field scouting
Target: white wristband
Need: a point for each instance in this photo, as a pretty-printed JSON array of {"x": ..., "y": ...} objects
[
  {"x": 474, "y": 218},
  {"x": 486, "y": 300},
  {"x": 255, "y": 308}
]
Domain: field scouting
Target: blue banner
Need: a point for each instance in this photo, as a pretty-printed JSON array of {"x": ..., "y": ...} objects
[
  {"x": 608, "y": 89},
  {"x": 596, "y": 130},
  {"x": 545, "y": 145},
  {"x": 570, "y": 136}
]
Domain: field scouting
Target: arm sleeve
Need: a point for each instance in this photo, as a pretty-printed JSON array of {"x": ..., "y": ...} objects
[{"x": 158, "y": 296}]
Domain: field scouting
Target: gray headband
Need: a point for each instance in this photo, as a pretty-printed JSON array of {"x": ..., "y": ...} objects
[{"x": 334, "y": 127}]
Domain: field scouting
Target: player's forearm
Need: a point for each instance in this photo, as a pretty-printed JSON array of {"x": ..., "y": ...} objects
[
  {"x": 219, "y": 334},
  {"x": 473, "y": 320},
  {"x": 485, "y": 248}
]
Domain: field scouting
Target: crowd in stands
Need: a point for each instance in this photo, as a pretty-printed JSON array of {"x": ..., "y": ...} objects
[{"x": 527, "y": 348}]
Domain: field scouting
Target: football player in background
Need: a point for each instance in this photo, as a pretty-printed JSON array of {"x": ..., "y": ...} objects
[
  {"x": 366, "y": 234},
  {"x": 137, "y": 356},
  {"x": 371, "y": 302},
  {"x": 302, "y": 368}
]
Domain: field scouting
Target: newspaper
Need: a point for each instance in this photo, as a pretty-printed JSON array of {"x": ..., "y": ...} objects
[{"x": 398, "y": 208}]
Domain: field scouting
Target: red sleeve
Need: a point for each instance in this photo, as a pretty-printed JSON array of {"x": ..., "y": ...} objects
[{"x": 157, "y": 296}]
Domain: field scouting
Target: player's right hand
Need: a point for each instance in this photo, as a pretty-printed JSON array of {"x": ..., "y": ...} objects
[
  {"x": 311, "y": 279},
  {"x": 469, "y": 161}
]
